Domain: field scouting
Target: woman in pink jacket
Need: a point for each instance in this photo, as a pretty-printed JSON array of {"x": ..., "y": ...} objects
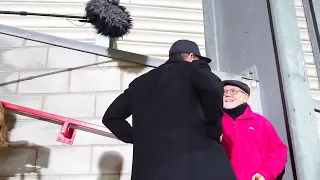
[{"x": 255, "y": 150}]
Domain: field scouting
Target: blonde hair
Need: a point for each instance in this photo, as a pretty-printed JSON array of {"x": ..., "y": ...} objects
[{"x": 4, "y": 141}]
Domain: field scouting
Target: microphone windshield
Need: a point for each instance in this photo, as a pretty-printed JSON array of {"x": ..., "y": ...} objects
[{"x": 109, "y": 18}]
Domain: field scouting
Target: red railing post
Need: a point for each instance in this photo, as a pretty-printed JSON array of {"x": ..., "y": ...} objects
[{"x": 66, "y": 134}]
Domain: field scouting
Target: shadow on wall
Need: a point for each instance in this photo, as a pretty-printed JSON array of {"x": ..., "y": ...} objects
[
  {"x": 122, "y": 64},
  {"x": 113, "y": 45},
  {"x": 21, "y": 157},
  {"x": 110, "y": 166},
  {"x": 5, "y": 73}
]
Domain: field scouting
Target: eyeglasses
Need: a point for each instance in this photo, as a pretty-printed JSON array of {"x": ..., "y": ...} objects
[{"x": 232, "y": 91}]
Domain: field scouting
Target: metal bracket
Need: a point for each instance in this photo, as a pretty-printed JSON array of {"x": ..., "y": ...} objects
[
  {"x": 251, "y": 73},
  {"x": 66, "y": 134},
  {"x": 227, "y": 76}
]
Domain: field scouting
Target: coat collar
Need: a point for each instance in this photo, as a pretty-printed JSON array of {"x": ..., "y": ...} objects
[
  {"x": 248, "y": 114},
  {"x": 173, "y": 61},
  {"x": 199, "y": 63}
]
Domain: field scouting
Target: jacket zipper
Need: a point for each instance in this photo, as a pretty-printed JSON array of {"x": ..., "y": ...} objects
[{"x": 238, "y": 150}]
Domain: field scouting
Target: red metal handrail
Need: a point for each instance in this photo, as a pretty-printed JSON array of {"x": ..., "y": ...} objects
[{"x": 69, "y": 125}]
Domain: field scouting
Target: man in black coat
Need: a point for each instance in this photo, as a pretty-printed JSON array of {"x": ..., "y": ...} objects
[{"x": 176, "y": 120}]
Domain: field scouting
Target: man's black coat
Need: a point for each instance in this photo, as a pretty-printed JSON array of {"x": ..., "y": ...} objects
[{"x": 176, "y": 116}]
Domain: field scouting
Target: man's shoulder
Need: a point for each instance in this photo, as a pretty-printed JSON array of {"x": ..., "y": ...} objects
[
  {"x": 203, "y": 67},
  {"x": 263, "y": 121},
  {"x": 141, "y": 77},
  {"x": 259, "y": 117}
]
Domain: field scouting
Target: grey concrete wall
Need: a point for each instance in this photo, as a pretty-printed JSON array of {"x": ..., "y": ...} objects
[
  {"x": 82, "y": 94},
  {"x": 243, "y": 39}
]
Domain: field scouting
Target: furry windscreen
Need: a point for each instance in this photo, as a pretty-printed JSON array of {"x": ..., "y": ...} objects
[{"x": 109, "y": 18}]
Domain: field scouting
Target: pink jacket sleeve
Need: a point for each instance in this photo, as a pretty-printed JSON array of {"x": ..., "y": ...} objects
[{"x": 277, "y": 157}]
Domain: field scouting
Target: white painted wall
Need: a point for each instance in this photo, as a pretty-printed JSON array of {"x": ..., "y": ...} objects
[
  {"x": 307, "y": 50},
  {"x": 156, "y": 23}
]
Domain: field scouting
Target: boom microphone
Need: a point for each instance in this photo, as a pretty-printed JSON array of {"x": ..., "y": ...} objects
[{"x": 108, "y": 17}]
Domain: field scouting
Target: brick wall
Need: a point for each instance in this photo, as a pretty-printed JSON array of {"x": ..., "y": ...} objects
[{"x": 82, "y": 94}]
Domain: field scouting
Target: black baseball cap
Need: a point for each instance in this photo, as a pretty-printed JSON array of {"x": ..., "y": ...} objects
[
  {"x": 238, "y": 84},
  {"x": 187, "y": 46}
]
